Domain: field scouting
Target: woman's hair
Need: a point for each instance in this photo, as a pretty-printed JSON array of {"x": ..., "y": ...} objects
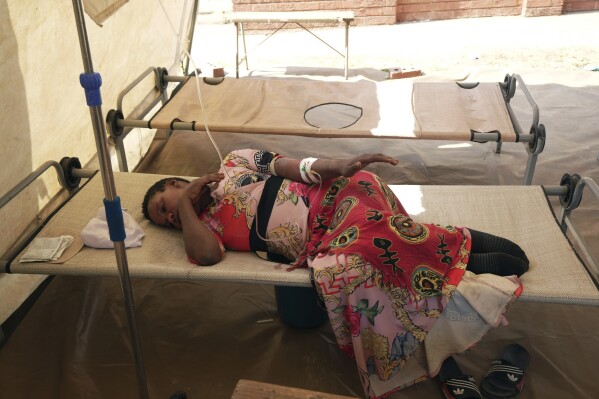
[{"x": 159, "y": 186}]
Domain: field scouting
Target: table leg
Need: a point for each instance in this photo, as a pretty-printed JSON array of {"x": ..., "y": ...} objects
[
  {"x": 237, "y": 50},
  {"x": 346, "y": 48},
  {"x": 245, "y": 50}
]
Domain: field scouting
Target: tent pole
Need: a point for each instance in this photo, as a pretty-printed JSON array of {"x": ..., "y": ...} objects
[
  {"x": 91, "y": 82},
  {"x": 189, "y": 38}
]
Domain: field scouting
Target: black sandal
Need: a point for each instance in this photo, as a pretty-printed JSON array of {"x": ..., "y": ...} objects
[
  {"x": 455, "y": 384},
  {"x": 505, "y": 377}
]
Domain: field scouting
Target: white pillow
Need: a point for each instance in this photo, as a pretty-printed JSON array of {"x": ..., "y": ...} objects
[{"x": 95, "y": 234}]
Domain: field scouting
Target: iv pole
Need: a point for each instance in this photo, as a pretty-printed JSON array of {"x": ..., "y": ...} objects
[{"x": 91, "y": 83}]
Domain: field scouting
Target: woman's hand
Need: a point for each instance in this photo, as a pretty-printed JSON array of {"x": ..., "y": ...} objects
[
  {"x": 350, "y": 167},
  {"x": 197, "y": 188}
]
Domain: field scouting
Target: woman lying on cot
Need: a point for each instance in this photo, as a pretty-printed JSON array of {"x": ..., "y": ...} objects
[{"x": 384, "y": 278}]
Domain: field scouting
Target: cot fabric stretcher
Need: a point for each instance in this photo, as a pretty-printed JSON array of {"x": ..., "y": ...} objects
[
  {"x": 391, "y": 109},
  {"x": 520, "y": 213}
]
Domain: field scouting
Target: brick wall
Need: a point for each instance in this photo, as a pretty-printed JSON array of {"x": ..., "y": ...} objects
[
  {"x": 386, "y": 12},
  {"x": 580, "y": 5},
  {"x": 420, "y": 10},
  {"x": 538, "y": 8},
  {"x": 366, "y": 12}
]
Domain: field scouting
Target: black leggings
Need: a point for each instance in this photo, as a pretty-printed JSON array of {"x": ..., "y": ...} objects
[{"x": 496, "y": 255}]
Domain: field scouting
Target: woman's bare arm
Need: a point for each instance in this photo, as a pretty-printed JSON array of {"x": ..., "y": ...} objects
[
  {"x": 200, "y": 244},
  {"x": 330, "y": 168}
]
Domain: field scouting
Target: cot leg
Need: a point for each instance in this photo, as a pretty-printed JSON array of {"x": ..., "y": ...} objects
[
  {"x": 498, "y": 147},
  {"x": 530, "y": 168},
  {"x": 121, "y": 155},
  {"x": 561, "y": 219}
]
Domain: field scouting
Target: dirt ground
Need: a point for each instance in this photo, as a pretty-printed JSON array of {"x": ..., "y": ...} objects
[{"x": 566, "y": 42}]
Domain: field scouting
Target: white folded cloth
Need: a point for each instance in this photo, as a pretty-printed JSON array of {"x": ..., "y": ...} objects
[{"x": 95, "y": 234}]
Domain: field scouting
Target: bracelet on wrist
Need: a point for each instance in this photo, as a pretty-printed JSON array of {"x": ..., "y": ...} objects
[{"x": 308, "y": 175}]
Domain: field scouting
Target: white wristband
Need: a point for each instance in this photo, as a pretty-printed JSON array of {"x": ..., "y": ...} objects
[
  {"x": 302, "y": 170},
  {"x": 313, "y": 176},
  {"x": 305, "y": 168}
]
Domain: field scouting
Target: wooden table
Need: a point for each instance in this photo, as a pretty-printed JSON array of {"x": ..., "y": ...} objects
[{"x": 247, "y": 389}]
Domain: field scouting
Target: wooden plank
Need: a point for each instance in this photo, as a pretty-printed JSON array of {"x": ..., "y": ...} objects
[{"x": 247, "y": 389}]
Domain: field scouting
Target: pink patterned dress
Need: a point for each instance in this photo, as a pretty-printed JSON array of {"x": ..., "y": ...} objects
[{"x": 383, "y": 278}]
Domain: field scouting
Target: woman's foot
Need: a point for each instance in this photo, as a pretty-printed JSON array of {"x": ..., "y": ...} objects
[
  {"x": 498, "y": 263},
  {"x": 484, "y": 243}
]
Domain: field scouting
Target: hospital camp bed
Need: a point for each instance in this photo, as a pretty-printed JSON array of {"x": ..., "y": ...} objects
[
  {"x": 391, "y": 109},
  {"x": 520, "y": 213},
  {"x": 281, "y": 19}
]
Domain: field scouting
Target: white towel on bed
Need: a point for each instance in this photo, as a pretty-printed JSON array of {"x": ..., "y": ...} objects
[{"x": 96, "y": 235}]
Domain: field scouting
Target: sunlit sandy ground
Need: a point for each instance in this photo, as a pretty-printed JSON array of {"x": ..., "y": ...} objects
[{"x": 566, "y": 42}]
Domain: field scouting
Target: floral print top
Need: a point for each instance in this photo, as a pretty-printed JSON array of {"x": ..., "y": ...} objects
[{"x": 236, "y": 197}]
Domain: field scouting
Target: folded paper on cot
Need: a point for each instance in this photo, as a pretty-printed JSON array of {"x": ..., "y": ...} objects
[
  {"x": 43, "y": 249},
  {"x": 96, "y": 235}
]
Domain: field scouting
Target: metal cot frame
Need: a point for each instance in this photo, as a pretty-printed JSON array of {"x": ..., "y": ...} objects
[
  {"x": 119, "y": 126},
  {"x": 70, "y": 174}
]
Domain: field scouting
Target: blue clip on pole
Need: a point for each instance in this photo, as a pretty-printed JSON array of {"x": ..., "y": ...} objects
[
  {"x": 91, "y": 82},
  {"x": 114, "y": 217}
]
